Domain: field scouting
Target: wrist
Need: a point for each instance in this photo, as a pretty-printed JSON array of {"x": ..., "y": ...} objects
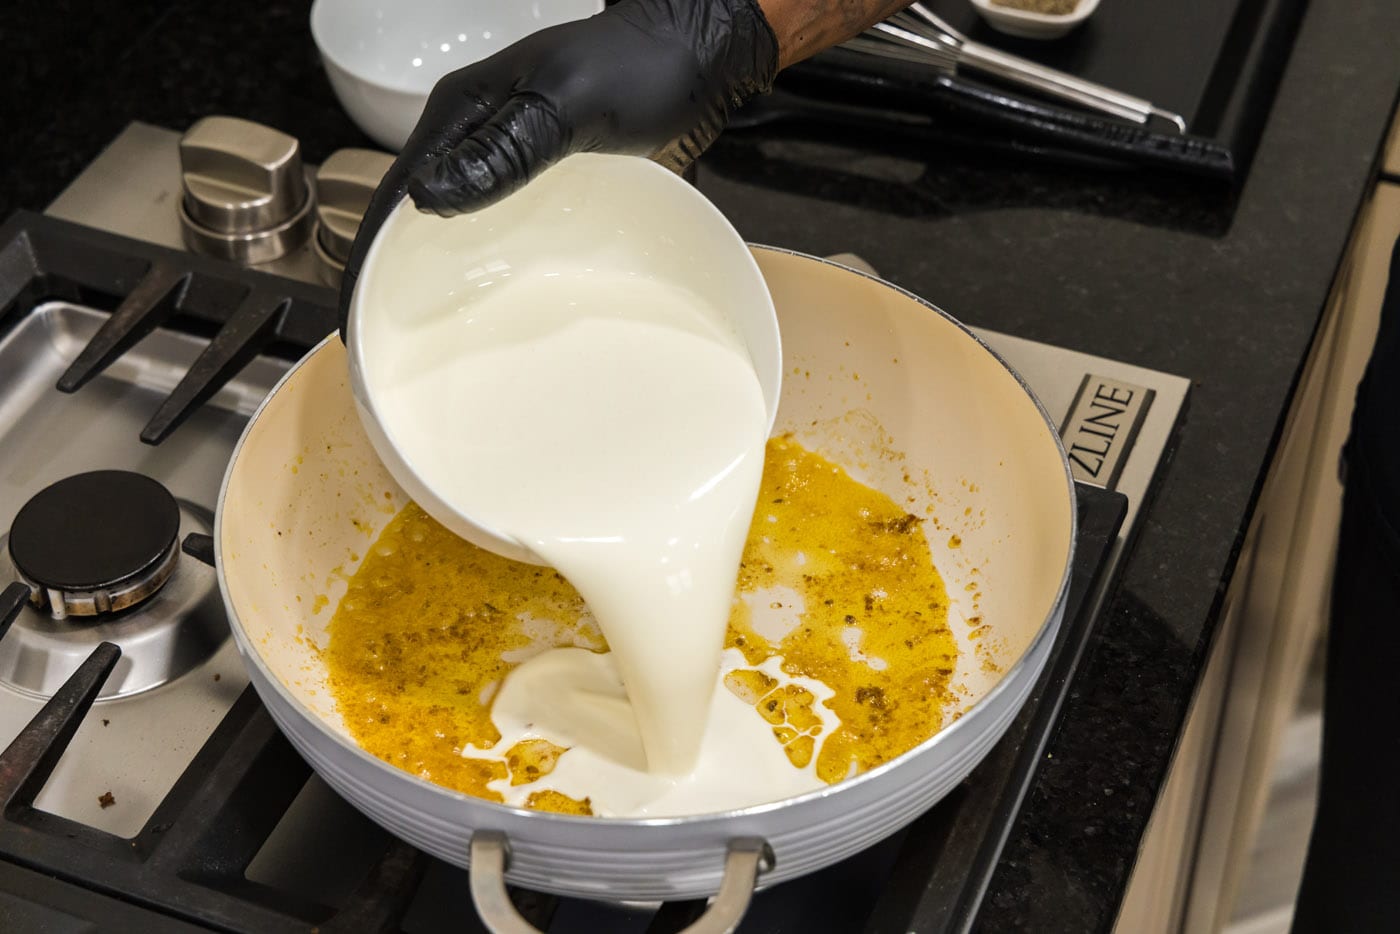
[
  {"x": 763, "y": 49},
  {"x": 805, "y": 27}
]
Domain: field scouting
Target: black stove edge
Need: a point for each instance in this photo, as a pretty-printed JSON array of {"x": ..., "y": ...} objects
[{"x": 945, "y": 866}]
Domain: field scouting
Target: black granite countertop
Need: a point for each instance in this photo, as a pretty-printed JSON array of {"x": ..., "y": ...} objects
[{"x": 1225, "y": 288}]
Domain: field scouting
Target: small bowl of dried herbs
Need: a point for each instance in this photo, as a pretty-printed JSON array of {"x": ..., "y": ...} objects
[{"x": 1035, "y": 19}]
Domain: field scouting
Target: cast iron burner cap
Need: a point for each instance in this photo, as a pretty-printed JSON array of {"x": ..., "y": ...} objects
[{"x": 96, "y": 542}]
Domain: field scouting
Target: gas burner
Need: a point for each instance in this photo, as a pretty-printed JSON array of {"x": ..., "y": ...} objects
[
  {"x": 100, "y": 553},
  {"x": 96, "y": 542}
]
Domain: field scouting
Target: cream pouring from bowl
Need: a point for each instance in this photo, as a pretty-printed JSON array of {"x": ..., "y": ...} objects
[
  {"x": 586, "y": 395},
  {"x": 590, "y": 217}
]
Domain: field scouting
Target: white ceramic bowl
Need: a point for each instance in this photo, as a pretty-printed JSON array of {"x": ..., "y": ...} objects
[
  {"x": 1027, "y": 25},
  {"x": 383, "y": 58},
  {"x": 612, "y": 214}
]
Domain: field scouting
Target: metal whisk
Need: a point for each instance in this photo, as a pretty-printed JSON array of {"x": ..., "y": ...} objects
[{"x": 918, "y": 35}]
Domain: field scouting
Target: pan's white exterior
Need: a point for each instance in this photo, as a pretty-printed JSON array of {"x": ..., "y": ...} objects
[{"x": 305, "y": 495}]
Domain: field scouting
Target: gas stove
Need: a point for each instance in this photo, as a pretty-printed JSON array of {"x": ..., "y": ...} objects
[{"x": 145, "y": 788}]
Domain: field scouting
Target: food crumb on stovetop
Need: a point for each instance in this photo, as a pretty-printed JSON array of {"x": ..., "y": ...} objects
[
  {"x": 217, "y": 676},
  {"x": 106, "y": 800},
  {"x": 105, "y": 721}
]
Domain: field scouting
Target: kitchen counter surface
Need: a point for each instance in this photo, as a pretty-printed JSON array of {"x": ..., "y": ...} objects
[{"x": 1225, "y": 289}]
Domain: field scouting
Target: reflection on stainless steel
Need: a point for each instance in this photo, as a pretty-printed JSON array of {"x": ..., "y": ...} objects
[
  {"x": 63, "y": 603},
  {"x": 240, "y": 176},
  {"x": 249, "y": 249},
  {"x": 918, "y": 35},
  {"x": 344, "y": 184},
  {"x": 134, "y": 189},
  {"x": 246, "y": 196}
]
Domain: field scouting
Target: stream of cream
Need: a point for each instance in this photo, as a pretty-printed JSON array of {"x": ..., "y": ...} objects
[{"x": 615, "y": 426}]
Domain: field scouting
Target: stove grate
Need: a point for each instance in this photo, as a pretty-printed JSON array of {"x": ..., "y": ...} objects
[{"x": 190, "y": 859}]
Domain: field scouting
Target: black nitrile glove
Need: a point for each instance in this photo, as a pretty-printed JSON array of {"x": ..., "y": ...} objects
[{"x": 656, "y": 78}]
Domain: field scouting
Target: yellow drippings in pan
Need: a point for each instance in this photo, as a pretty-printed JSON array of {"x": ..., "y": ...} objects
[{"x": 431, "y": 624}]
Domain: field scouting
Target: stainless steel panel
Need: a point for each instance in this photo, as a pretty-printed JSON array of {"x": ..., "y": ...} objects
[{"x": 133, "y": 747}]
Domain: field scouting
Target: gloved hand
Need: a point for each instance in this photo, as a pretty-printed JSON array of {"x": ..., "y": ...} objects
[{"x": 657, "y": 78}]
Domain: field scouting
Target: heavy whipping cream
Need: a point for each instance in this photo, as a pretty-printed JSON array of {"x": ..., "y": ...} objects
[
  {"x": 613, "y": 425},
  {"x": 576, "y": 697}
]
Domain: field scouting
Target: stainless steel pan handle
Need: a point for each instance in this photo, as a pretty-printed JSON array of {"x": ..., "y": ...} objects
[{"x": 490, "y": 853}]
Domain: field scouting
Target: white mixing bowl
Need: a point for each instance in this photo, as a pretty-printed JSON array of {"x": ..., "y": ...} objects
[
  {"x": 591, "y": 212},
  {"x": 383, "y": 58}
]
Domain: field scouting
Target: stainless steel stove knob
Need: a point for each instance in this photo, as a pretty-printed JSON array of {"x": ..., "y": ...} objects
[
  {"x": 246, "y": 196},
  {"x": 344, "y": 184}
]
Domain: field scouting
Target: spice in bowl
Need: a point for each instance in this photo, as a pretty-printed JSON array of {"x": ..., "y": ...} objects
[
  {"x": 1035, "y": 19},
  {"x": 1044, "y": 7}
]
